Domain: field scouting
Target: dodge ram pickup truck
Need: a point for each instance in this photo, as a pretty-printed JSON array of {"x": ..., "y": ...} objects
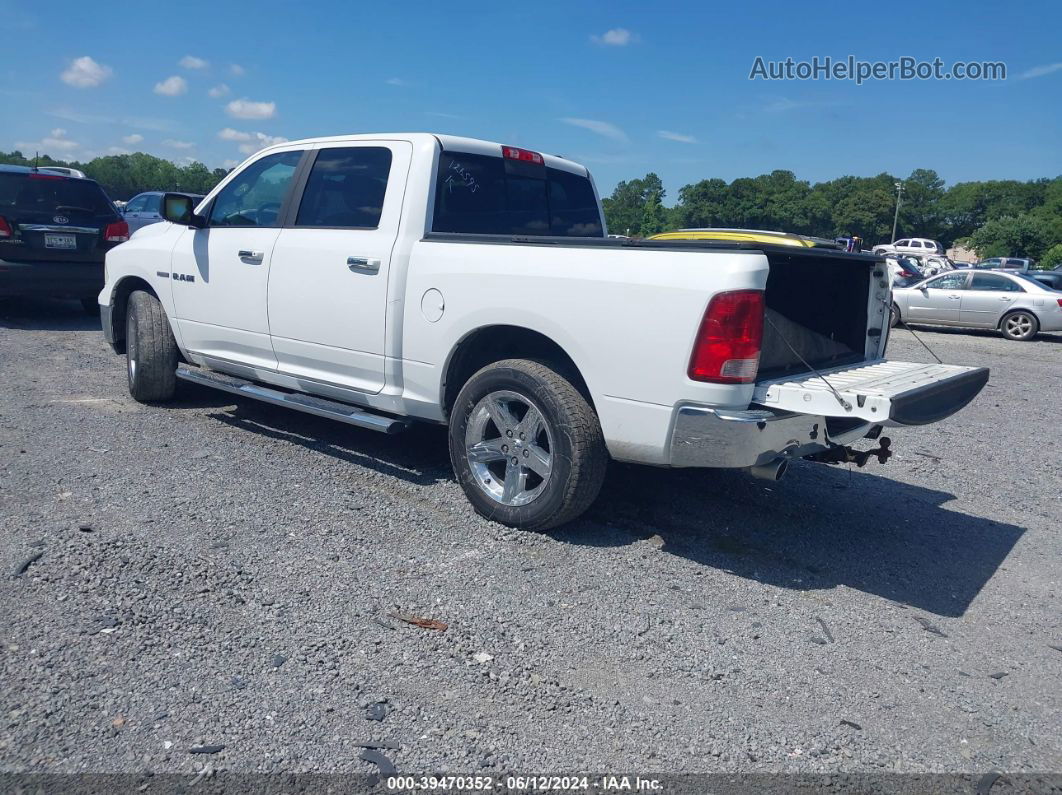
[{"x": 385, "y": 279}]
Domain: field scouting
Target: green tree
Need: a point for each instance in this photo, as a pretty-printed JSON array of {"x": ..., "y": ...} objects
[
  {"x": 1052, "y": 257},
  {"x": 1013, "y": 236},
  {"x": 626, "y": 206},
  {"x": 654, "y": 216}
]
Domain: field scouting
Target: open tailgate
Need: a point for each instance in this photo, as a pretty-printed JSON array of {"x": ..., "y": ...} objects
[{"x": 900, "y": 392}]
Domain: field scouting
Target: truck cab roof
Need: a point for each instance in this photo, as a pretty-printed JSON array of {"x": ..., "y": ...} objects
[{"x": 453, "y": 143}]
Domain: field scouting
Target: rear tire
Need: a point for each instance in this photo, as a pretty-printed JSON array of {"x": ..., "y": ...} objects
[
  {"x": 1019, "y": 326},
  {"x": 894, "y": 316},
  {"x": 151, "y": 350},
  {"x": 526, "y": 446}
]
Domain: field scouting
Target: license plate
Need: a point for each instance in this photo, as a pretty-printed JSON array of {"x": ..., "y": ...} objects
[{"x": 60, "y": 241}]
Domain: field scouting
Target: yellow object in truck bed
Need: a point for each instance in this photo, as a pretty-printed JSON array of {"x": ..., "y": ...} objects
[{"x": 749, "y": 235}]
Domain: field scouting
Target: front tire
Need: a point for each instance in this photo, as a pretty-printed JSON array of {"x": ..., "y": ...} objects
[
  {"x": 526, "y": 446},
  {"x": 151, "y": 350},
  {"x": 1019, "y": 326},
  {"x": 894, "y": 316}
]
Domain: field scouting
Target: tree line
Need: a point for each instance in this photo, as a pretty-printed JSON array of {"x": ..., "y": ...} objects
[
  {"x": 124, "y": 176},
  {"x": 993, "y": 217}
]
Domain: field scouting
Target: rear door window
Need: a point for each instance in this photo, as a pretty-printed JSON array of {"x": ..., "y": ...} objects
[
  {"x": 346, "y": 188},
  {"x": 990, "y": 281},
  {"x": 483, "y": 194},
  {"x": 152, "y": 203}
]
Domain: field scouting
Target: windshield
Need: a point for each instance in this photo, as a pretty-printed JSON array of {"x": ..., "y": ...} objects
[{"x": 49, "y": 194}]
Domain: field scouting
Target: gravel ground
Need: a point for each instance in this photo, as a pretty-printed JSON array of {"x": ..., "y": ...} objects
[{"x": 228, "y": 574}]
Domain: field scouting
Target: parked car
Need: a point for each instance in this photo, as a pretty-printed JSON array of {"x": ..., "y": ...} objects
[
  {"x": 1006, "y": 263},
  {"x": 1052, "y": 279},
  {"x": 960, "y": 264},
  {"x": 910, "y": 245},
  {"x": 903, "y": 270},
  {"x": 143, "y": 209},
  {"x": 381, "y": 280},
  {"x": 54, "y": 233},
  {"x": 1017, "y": 305}
]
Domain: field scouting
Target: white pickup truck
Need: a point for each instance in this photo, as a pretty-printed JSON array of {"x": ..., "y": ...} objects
[{"x": 385, "y": 279}]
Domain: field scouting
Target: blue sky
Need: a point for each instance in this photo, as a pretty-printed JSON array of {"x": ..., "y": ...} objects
[{"x": 625, "y": 88}]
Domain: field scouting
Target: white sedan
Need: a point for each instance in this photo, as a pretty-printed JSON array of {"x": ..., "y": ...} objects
[{"x": 1016, "y": 305}]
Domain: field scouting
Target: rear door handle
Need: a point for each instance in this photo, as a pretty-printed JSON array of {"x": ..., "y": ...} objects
[
  {"x": 254, "y": 256},
  {"x": 363, "y": 264}
]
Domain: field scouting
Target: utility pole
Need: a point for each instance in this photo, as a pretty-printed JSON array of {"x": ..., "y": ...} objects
[{"x": 896, "y": 217}]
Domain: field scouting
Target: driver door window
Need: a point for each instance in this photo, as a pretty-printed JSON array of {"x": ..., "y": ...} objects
[
  {"x": 255, "y": 195},
  {"x": 953, "y": 281}
]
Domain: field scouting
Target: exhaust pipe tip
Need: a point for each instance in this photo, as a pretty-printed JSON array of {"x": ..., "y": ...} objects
[{"x": 772, "y": 470}]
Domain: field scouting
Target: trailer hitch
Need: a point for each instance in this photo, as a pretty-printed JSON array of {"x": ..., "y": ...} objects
[{"x": 843, "y": 454}]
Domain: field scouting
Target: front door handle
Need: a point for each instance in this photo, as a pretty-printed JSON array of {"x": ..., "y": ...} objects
[
  {"x": 254, "y": 256},
  {"x": 363, "y": 264}
]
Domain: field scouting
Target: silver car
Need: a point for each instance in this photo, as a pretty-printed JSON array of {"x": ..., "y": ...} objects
[
  {"x": 143, "y": 209},
  {"x": 1015, "y": 304}
]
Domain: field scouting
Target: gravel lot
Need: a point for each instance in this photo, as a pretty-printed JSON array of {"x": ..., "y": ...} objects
[{"x": 220, "y": 573}]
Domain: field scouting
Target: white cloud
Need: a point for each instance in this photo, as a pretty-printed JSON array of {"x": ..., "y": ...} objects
[
  {"x": 133, "y": 138},
  {"x": 178, "y": 144},
  {"x": 191, "y": 62},
  {"x": 81, "y": 118},
  {"x": 674, "y": 136},
  {"x": 229, "y": 134},
  {"x": 616, "y": 37},
  {"x": 250, "y": 142},
  {"x": 236, "y": 70},
  {"x": 118, "y": 150},
  {"x": 396, "y": 81},
  {"x": 84, "y": 72},
  {"x": 218, "y": 91},
  {"x": 602, "y": 128},
  {"x": 172, "y": 86},
  {"x": 56, "y": 141},
  {"x": 230, "y": 163},
  {"x": 246, "y": 109},
  {"x": 1040, "y": 71}
]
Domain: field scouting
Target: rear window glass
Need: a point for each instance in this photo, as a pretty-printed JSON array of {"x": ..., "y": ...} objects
[
  {"x": 479, "y": 194},
  {"x": 52, "y": 195}
]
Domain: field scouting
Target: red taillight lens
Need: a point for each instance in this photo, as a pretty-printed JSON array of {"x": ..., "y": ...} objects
[
  {"x": 514, "y": 153},
  {"x": 46, "y": 176},
  {"x": 5, "y": 227},
  {"x": 118, "y": 232},
  {"x": 727, "y": 350},
  {"x": 1060, "y": 303}
]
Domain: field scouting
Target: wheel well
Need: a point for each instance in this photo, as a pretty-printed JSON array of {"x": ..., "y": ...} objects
[
  {"x": 1015, "y": 311},
  {"x": 120, "y": 302},
  {"x": 494, "y": 343}
]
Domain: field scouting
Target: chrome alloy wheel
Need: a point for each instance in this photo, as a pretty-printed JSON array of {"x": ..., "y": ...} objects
[
  {"x": 1018, "y": 325},
  {"x": 509, "y": 447}
]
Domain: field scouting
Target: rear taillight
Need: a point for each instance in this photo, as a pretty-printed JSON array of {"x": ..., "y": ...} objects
[
  {"x": 5, "y": 227},
  {"x": 727, "y": 349},
  {"x": 515, "y": 153},
  {"x": 1060, "y": 303},
  {"x": 118, "y": 232}
]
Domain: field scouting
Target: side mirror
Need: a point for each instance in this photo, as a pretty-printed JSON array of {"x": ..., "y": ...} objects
[{"x": 178, "y": 209}]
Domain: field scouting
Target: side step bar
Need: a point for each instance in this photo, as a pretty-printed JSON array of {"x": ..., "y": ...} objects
[{"x": 332, "y": 409}]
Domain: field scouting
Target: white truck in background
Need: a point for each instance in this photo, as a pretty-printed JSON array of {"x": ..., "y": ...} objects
[{"x": 385, "y": 279}]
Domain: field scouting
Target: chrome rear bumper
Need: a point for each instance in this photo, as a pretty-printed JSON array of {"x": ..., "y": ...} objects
[{"x": 706, "y": 437}]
